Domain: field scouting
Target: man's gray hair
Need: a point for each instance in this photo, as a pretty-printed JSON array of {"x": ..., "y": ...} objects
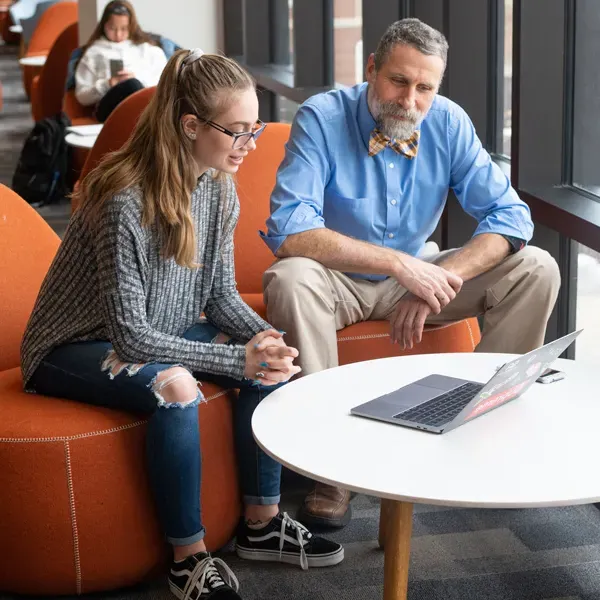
[{"x": 415, "y": 33}]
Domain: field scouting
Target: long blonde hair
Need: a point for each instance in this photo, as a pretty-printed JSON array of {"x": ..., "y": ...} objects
[{"x": 158, "y": 156}]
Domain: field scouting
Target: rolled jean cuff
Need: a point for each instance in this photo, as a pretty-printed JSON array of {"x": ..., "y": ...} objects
[
  {"x": 192, "y": 539},
  {"x": 262, "y": 500}
]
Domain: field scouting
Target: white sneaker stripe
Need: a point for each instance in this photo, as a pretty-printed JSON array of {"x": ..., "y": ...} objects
[{"x": 273, "y": 534}]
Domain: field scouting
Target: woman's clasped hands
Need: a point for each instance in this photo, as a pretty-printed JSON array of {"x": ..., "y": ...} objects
[{"x": 269, "y": 360}]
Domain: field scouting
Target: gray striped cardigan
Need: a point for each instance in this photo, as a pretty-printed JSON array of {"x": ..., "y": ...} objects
[{"x": 114, "y": 285}]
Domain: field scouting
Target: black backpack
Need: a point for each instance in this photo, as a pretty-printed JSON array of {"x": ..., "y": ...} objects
[{"x": 41, "y": 176}]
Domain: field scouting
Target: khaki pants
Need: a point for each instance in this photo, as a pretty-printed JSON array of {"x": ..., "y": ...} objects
[{"x": 311, "y": 302}]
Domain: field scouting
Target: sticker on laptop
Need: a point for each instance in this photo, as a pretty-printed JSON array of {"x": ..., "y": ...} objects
[{"x": 493, "y": 401}]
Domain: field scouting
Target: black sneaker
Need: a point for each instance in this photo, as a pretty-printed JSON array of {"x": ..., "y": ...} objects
[
  {"x": 197, "y": 578},
  {"x": 286, "y": 540}
]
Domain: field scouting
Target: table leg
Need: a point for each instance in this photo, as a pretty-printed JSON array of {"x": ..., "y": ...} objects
[
  {"x": 398, "y": 533},
  {"x": 384, "y": 517}
]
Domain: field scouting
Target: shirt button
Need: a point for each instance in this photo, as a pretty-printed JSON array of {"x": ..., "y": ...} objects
[
  {"x": 390, "y": 235},
  {"x": 391, "y": 165},
  {"x": 394, "y": 202}
]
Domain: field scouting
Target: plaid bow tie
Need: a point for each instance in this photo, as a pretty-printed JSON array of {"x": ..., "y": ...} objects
[{"x": 408, "y": 148}]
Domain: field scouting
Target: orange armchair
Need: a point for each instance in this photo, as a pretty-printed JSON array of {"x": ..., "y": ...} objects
[
  {"x": 118, "y": 127},
  {"x": 363, "y": 341},
  {"x": 51, "y": 24},
  {"x": 27, "y": 247},
  {"x": 77, "y": 514},
  {"x": 48, "y": 88},
  {"x": 116, "y": 130},
  {"x": 79, "y": 114}
]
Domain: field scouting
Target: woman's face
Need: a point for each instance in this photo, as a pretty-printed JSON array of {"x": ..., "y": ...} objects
[
  {"x": 117, "y": 28},
  {"x": 215, "y": 149}
]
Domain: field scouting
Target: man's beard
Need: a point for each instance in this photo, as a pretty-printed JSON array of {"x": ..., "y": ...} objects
[{"x": 386, "y": 114}]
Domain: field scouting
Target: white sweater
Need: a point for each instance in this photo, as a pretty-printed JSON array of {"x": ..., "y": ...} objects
[{"x": 92, "y": 76}]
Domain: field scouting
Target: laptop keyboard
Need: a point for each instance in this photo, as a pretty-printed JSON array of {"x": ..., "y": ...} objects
[{"x": 443, "y": 408}]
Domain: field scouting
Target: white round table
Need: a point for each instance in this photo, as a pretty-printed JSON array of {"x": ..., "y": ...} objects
[
  {"x": 33, "y": 61},
  {"x": 539, "y": 450},
  {"x": 16, "y": 29},
  {"x": 80, "y": 141}
]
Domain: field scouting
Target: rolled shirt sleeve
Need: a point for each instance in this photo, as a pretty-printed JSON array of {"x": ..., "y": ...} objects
[
  {"x": 481, "y": 187},
  {"x": 297, "y": 199}
]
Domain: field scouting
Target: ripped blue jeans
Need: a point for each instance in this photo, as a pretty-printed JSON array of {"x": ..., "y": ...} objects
[{"x": 91, "y": 372}]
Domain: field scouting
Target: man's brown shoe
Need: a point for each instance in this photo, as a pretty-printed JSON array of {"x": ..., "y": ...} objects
[{"x": 326, "y": 506}]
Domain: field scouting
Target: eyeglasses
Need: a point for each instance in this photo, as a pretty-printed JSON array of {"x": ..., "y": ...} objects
[{"x": 239, "y": 139}]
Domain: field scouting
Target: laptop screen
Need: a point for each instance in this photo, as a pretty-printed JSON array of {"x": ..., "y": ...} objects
[
  {"x": 487, "y": 402},
  {"x": 512, "y": 380},
  {"x": 515, "y": 377}
]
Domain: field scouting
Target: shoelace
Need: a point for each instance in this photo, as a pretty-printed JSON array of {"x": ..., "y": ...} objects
[
  {"x": 206, "y": 571},
  {"x": 301, "y": 531}
]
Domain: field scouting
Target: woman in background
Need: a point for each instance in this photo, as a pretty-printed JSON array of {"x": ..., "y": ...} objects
[{"x": 118, "y": 60}]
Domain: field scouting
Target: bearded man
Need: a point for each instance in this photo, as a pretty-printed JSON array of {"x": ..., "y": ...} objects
[{"x": 362, "y": 186}]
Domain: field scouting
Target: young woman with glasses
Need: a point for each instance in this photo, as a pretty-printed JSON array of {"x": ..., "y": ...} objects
[
  {"x": 118, "y": 319},
  {"x": 118, "y": 60}
]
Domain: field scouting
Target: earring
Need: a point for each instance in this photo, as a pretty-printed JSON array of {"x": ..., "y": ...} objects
[{"x": 192, "y": 136}]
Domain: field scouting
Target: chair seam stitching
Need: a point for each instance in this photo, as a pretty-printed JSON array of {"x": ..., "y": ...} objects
[
  {"x": 80, "y": 436},
  {"x": 470, "y": 334},
  {"x": 384, "y": 335},
  {"x": 75, "y": 531}
]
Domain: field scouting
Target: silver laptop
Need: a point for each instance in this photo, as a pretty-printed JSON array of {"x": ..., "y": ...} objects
[{"x": 438, "y": 403}]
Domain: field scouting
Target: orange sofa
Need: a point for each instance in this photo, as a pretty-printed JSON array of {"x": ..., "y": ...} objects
[
  {"x": 362, "y": 341},
  {"x": 51, "y": 24},
  {"x": 48, "y": 88},
  {"x": 76, "y": 510}
]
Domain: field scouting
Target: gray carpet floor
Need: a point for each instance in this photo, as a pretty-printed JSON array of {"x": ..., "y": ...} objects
[{"x": 543, "y": 554}]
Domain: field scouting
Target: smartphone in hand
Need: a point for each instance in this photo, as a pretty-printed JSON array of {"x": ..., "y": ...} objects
[{"x": 116, "y": 66}]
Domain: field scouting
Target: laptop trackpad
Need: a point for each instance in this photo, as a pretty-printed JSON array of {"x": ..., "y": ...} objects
[
  {"x": 441, "y": 382},
  {"x": 411, "y": 395},
  {"x": 422, "y": 390}
]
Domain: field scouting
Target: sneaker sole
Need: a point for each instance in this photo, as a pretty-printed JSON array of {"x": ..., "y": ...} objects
[{"x": 290, "y": 558}]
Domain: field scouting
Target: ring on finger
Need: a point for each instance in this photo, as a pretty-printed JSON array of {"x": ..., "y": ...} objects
[{"x": 260, "y": 375}]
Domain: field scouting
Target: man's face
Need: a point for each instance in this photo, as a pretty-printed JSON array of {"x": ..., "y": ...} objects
[{"x": 402, "y": 91}]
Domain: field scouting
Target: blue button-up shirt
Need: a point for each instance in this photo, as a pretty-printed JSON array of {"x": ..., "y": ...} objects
[{"x": 327, "y": 178}]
